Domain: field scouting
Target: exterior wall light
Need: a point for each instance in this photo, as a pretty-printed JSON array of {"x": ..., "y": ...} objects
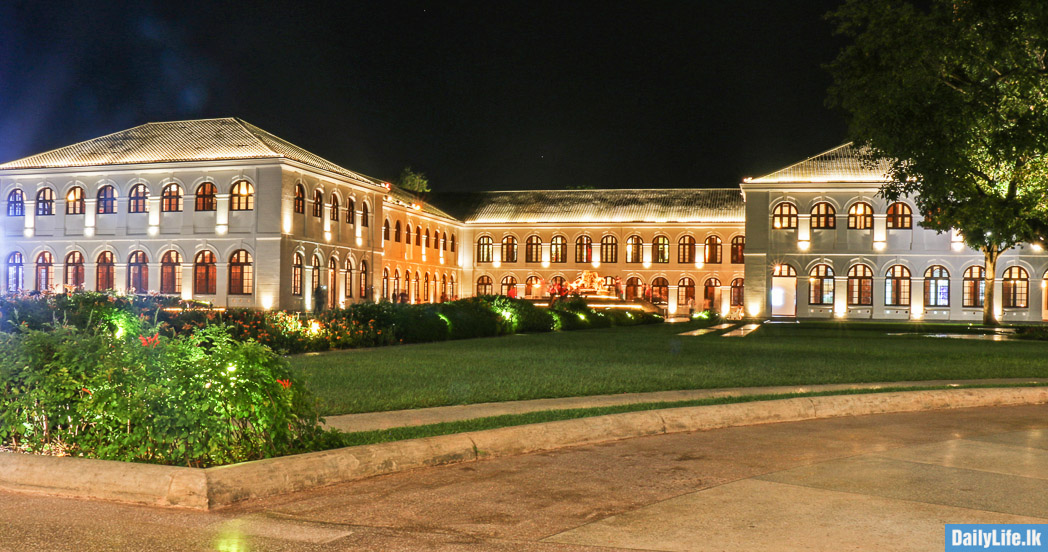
[{"x": 803, "y": 245}]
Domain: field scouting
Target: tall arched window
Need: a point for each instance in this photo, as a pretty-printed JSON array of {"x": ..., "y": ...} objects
[
  {"x": 315, "y": 280},
  {"x": 418, "y": 288},
  {"x": 387, "y": 293},
  {"x": 533, "y": 287},
  {"x": 318, "y": 203},
  {"x": 351, "y": 213},
  {"x": 974, "y": 287},
  {"x": 407, "y": 284},
  {"x": 296, "y": 274},
  {"x": 738, "y": 246},
  {"x": 633, "y": 288},
  {"x": 709, "y": 293},
  {"x": 737, "y": 292},
  {"x": 15, "y": 272},
  {"x": 364, "y": 281},
  {"x": 484, "y": 249},
  {"x": 334, "y": 207},
  {"x": 138, "y": 272},
  {"x": 686, "y": 293},
  {"x": 484, "y": 286},
  {"x": 349, "y": 278},
  {"x": 205, "y": 273},
  {"x": 242, "y": 273},
  {"x": 1016, "y": 287},
  {"x": 75, "y": 201},
  {"x": 171, "y": 272},
  {"x": 106, "y": 200},
  {"x": 900, "y": 216},
  {"x": 332, "y": 282},
  {"x": 425, "y": 288},
  {"x": 583, "y": 249},
  {"x": 300, "y": 199},
  {"x": 823, "y": 215},
  {"x": 407, "y": 234},
  {"x": 936, "y": 287},
  {"x": 533, "y": 249},
  {"x": 444, "y": 244},
  {"x": 171, "y": 198},
  {"x": 660, "y": 250},
  {"x": 897, "y": 287},
  {"x": 16, "y": 204},
  {"x": 558, "y": 249},
  {"x": 44, "y": 271},
  {"x": 205, "y": 197},
  {"x": 425, "y": 239},
  {"x": 396, "y": 286},
  {"x": 860, "y": 216},
  {"x": 385, "y": 230},
  {"x": 45, "y": 202},
  {"x": 74, "y": 270},
  {"x": 443, "y": 287},
  {"x": 609, "y": 249},
  {"x": 660, "y": 289},
  {"x": 453, "y": 243},
  {"x": 509, "y": 249},
  {"x": 713, "y": 250},
  {"x": 820, "y": 285},
  {"x": 686, "y": 251},
  {"x": 784, "y": 216},
  {"x": 418, "y": 236},
  {"x": 242, "y": 196},
  {"x": 509, "y": 286},
  {"x": 634, "y": 249},
  {"x": 105, "y": 271},
  {"x": 364, "y": 215},
  {"x": 860, "y": 285},
  {"x": 138, "y": 199},
  {"x": 397, "y": 231}
]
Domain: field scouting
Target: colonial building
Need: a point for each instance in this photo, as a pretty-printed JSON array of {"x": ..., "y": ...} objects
[{"x": 218, "y": 210}]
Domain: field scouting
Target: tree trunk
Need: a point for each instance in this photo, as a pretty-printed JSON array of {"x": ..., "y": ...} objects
[{"x": 990, "y": 254}]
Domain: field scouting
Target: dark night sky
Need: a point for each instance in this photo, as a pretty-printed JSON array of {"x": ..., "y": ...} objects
[{"x": 491, "y": 95}]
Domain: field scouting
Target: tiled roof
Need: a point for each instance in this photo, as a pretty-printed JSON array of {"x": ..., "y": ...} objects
[
  {"x": 409, "y": 199},
  {"x": 840, "y": 164},
  {"x": 175, "y": 141},
  {"x": 544, "y": 206}
]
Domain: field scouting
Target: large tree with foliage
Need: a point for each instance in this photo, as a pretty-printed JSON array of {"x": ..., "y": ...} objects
[
  {"x": 413, "y": 181},
  {"x": 955, "y": 94}
]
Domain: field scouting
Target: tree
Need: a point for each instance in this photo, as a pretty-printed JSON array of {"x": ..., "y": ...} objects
[
  {"x": 413, "y": 181},
  {"x": 955, "y": 95}
]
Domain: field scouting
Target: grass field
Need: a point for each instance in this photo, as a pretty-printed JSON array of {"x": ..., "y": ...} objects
[{"x": 652, "y": 358}]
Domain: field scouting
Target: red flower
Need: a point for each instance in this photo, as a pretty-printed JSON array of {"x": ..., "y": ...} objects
[
  {"x": 285, "y": 383},
  {"x": 88, "y": 391},
  {"x": 149, "y": 341}
]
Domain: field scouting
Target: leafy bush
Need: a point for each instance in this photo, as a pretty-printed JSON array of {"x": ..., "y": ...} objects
[
  {"x": 419, "y": 324},
  {"x": 473, "y": 317},
  {"x": 521, "y": 316}
]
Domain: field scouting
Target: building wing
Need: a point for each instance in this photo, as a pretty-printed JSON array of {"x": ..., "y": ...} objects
[{"x": 841, "y": 164}]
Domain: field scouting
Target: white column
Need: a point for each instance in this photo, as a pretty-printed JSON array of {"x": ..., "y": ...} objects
[
  {"x": 30, "y": 220},
  {"x": 221, "y": 213}
]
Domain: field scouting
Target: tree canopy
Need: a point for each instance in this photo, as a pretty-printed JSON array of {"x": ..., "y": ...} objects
[
  {"x": 413, "y": 181},
  {"x": 955, "y": 95}
]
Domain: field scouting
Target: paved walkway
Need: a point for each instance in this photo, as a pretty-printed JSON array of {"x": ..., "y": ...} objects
[
  {"x": 424, "y": 416},
  {"x": 886, "y": 482}
]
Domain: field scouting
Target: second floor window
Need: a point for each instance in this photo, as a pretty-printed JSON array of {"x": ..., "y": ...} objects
[
  {"x": 484, "y": 249},
  {"x": 900, "y": 216},
  {"x": 300, "y": 198},
  {"x": 509, "y": 249},
  {"x": 171, "y": 199},
  {"x": 45, "y": 202},
  {"x": 860, "y": 216},
  {"x": 138, "y": 199},
  {"x": 533, "y": 249},
  {"x": 784, "y": 216},
  {"x": 242, "y": 196},
  {"x": 738, "y": 246},
  {"x": 205, "y": 197},
  {"x": 558, "y": 249},
  {"x": 75, "y": 201},
  {"x": 106, "y": 200},
  {"x": 15, "y": 204}
]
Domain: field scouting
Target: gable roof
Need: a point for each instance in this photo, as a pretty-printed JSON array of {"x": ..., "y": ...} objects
[
  {"x": 840, "y": 164},
  {"x": 575, "y": 206},
  {"x": 180, "y": 141}
]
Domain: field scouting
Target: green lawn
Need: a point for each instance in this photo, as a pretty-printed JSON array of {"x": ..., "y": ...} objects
[{"x": 651, "y": 358}]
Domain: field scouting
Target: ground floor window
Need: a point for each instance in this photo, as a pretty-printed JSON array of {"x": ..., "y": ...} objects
[
  {"x": 897, "y": 286},
  {"x": 484, "y": 285},
  {"x": 660, "y": 291},
  {"x": 1016, "y": 287},
  {"x": 737, "y": 292},
  {"x": 936, "y": 287},
  {"x": 820, "y": 285},
  {"x": 974, "y": 287},
  {"x": 686, "y": 293},
  {"x": 860, "y": 285}
]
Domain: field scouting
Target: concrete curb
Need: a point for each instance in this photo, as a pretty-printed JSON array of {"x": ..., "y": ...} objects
[{"x": 204, "y": 489}]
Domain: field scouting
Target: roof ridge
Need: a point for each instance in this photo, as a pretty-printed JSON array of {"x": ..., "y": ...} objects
[
  {"x": 798, "y": 163},
  {"x": 596, "y": 190}
]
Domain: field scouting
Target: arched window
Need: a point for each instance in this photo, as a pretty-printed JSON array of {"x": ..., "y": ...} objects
[
  {"x": 349, "y": 278},
  {"x": 407, "y": 234},
  {"x": 106, "y": 200},
  {"x": 242, "y": 273},
  {"x": 363, "y": 280},
  {"x": 452, "y": 290},
  {"x": 318, "y": 203},
  {"x": 686, "y": 293},
  {"x": 351, "y": 213},
  {"x": 633, "y": 288},
  {"x": 386, "y": 291},
  {"x": 205, "y": 197},
  {"x": 396, "y": 232},
  {"x": 418, "y": 236},
  {"x": 583, "y": 249},
  {"x": 242, "y": 196},
  {"x": 509, "y": 286},
  {"x": 974, "y": 287},
  {"x": 484, "y": 285},
  {"x": 860, "y": 216},
  {"x": 396, "y": 285},
  {"x": 634, "y": 249},
  {"x": 138, "y": 272},
  {"x": 425, "y": 288},
  {"x": 453, "y": 243},
  {"x": 105, "y": 271},
  {"x": 15, "y": 272},
  {"x": 296, "y": 274},
  {"x": 783, "y": 271},
  {"x": 171, "y": 272},
  {"x": 709, "y": 293},
  {"x": 334, "y": 208},
  {"x": 509, "y": 249},
  {"x": 138, "y": 199},
  {"x": 936, "y": 287},
  {"x": 533, "y": 287},
  {"x": 558, "y": 249},
  {"x": 171, "y": 198},
  {"x": 860, "y": 285},
  {"x": 425, "y": 239},
  {"x": 315, "y": 280},
  {"x": 332, "y": 283},
  {"x": 407, "y": 284},
  {"x": 820, "y": 285},
  {"x": 364, "y": 216},
  {"x": 45, "y": 202},
  {"x": 738, "y": 246},
  {"x": 205, "y": 273},
  {"x": 609, "y": 249},
  {"x": 686, "y": 252},
  {"x": 385, "y": 230},
  {"x": 74, "y": 270},
  {"x": 1016, "y": 287},
  {"x": 300, "y": 199},
  {"x": 444, "y": 243},
  {"x": 823, "y": 215},
  {"x": 16, "y": 204},
  {"x": 44, "y": 271},
  {"x": 713, "y": 250},
  {"x": 900, "y": 216},
  {"x": 75, "y": 201},
  {"x": 484, "y": 249},
  {"x": 660, "y": 289},
  {"x": 533, "y": 249},
  {"x": 660, "y": 250},
  {"x": 418, "y": 288},
  {"x": 897, "y": 287},
  {"x": 443, "y": 287},
  {"x": 737, "y": 292},
  {"x": 784, "y": 216}
]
